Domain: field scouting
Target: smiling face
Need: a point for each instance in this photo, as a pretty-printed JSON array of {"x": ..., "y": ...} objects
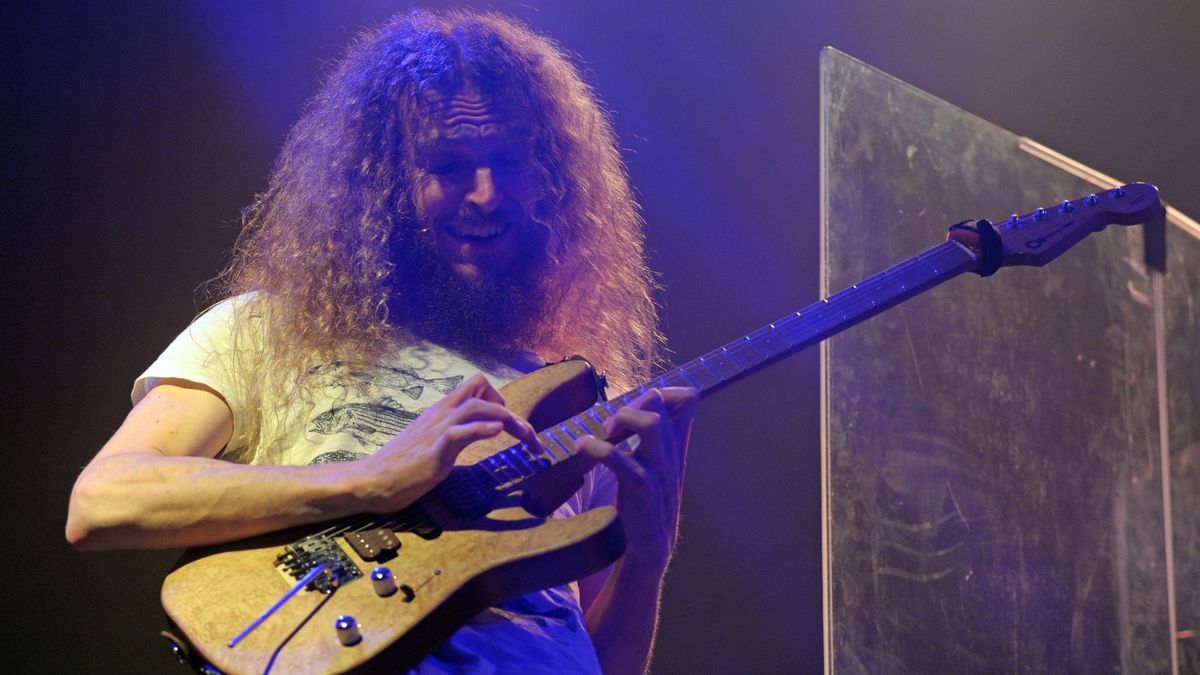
[
  {"x": 472, "y": 183},
  {"x": 468, "y": 271}
]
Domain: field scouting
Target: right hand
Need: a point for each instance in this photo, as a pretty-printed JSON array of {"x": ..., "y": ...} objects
[{"x": 421, "y": 456}]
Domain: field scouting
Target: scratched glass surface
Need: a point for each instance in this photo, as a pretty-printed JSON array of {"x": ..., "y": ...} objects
[
  {"x": 991, "y": 451},
  {"x": 1182, "y": 302}
]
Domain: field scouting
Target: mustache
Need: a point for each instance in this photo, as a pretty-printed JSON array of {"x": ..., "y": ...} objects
[{"x": 470, "y": 215}]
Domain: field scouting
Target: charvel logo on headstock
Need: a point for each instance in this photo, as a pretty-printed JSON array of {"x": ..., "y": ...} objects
[{"x": 1034, "y": 244}]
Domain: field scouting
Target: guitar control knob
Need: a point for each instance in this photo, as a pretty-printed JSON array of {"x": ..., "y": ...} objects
[
  {"x": 383, "y": 581},
  {"x": 347, "y": 630}
]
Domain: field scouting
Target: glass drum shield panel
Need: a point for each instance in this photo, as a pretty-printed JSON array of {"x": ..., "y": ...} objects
[
  {"x": 1181, "y": 303},
  {"x": 993, "y": 483}
]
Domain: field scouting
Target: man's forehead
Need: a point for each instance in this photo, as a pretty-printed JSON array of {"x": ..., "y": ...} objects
[{"x": 466, "y": 115}]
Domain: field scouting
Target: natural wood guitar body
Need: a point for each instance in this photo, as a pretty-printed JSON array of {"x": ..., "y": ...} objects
[{"x": 216, "y": 591}]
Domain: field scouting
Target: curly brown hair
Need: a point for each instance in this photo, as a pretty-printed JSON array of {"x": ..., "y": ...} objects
[{"x": 319, "y": 242}]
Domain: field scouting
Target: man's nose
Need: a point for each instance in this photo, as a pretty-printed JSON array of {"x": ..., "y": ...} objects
[{"x": 484, "y": 193}]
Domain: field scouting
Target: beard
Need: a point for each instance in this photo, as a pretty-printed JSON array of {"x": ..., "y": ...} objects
[{"x": 482, "y": 315}]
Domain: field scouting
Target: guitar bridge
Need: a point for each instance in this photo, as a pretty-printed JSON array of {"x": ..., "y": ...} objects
[{"x": 301, "y": 556}]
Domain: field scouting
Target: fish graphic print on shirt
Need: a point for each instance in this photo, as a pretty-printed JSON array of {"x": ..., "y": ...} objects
[
  {"x": 372, "y": 422},
  {"x": 409, "y": 382},
  {"x": 365, "y": 405}
]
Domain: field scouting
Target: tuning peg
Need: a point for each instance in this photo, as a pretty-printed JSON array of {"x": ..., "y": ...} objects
[
  {"x": 1014, "y": 221},
  {"x": 1041, "y": 214},
  {"x": 1091, "y": 200},
  {"x": 1117, "y": 192},
  {"x": 1066, "y": 206}
]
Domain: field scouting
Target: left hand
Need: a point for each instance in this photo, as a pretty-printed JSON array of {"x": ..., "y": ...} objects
[{"x": 650, "y": 479}]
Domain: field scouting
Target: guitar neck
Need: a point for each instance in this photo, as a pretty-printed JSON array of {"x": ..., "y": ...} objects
[
  {"x": 1035, "y": 238},
  {"x": 745, "y": 355},
  {"x": 819, "y": 321}
]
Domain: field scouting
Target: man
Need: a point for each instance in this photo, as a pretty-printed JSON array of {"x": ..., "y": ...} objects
[{"x": 450, "y": 211}]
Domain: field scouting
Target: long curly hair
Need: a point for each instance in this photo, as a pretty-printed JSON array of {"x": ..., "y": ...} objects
[{"x": 319, "y": 241}]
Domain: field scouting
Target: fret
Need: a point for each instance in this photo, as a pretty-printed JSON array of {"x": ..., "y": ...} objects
[
  {"x": 875, "y": 289},
  {"x": 548, "y": 456},
  {"x": 491, "y": 466},
  {"x": 566, "y": 430},
  {"x": 744, "y": 355},
  {"x": 807, "y": 318},
  {"x": 682, "y": 378},
  {"x": 581, "y": 423},
  {"x": 539, "y": 461},
  {"x": 932, "y": 262},
  {"x": 548, "y": 434},
  {"x": 506, "y": 457},
  {"x": 536, "y": 462},
  {"x": 722, "y": 360},
  {"x": 625, "y": 399},
  {"x": 701, "y": 376},
  {"x": 596, "y": 417},
  {"x": 498, "y": 468},
  {"x": 773, "y": 339},
  {"x": 793, "y": 330},
  {"x": 519, "y": 459},
  {"x": 884, "y": 286},
  {"x": 726, "y": 358},
  {"x": 949, "y": 257},
  {"x": 815, "y": 317},
  {"x": 851, "y": 302},
  {"x": 709, "y": 367},
  {"x": 910, "y": 276},
  {"x": 482, "y": 471},
  {"x": 760, "y": 345}
]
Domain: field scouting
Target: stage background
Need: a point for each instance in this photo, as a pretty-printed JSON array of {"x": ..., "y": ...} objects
[{"x": 135, "y": 133}]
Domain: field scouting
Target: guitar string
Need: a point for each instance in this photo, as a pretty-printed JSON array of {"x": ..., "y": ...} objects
[
  {"x": 522, "y": 463},
  {"x": 788, "y": 328},
  {"x": 791, "y": 329}
]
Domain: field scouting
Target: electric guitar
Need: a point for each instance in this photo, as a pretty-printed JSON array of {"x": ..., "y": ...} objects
[{"x": 410, "y": 578}]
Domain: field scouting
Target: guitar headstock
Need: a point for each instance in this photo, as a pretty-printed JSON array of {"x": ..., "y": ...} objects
[{"x": 1042, "y": 235}]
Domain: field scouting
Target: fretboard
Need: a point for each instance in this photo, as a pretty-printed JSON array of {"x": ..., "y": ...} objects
[{"x": 745, "y": 355}]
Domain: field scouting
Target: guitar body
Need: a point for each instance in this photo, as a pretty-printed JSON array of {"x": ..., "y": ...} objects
[{"x": 214, "y": 592}]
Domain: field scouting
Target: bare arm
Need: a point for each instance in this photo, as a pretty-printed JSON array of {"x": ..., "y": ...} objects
[
  {"x": 157, "y": 484},
  {"x": 621, "y": 604}
]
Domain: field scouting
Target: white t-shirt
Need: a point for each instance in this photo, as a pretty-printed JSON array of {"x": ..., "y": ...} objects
[{"x": 346, "y": 415}]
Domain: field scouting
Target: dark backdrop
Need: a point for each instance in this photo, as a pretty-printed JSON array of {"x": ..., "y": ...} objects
[{"x": 135, "y": 132}]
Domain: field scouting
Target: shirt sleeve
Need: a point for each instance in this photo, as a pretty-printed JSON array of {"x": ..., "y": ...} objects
[{"x": 203, "y": 354}]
